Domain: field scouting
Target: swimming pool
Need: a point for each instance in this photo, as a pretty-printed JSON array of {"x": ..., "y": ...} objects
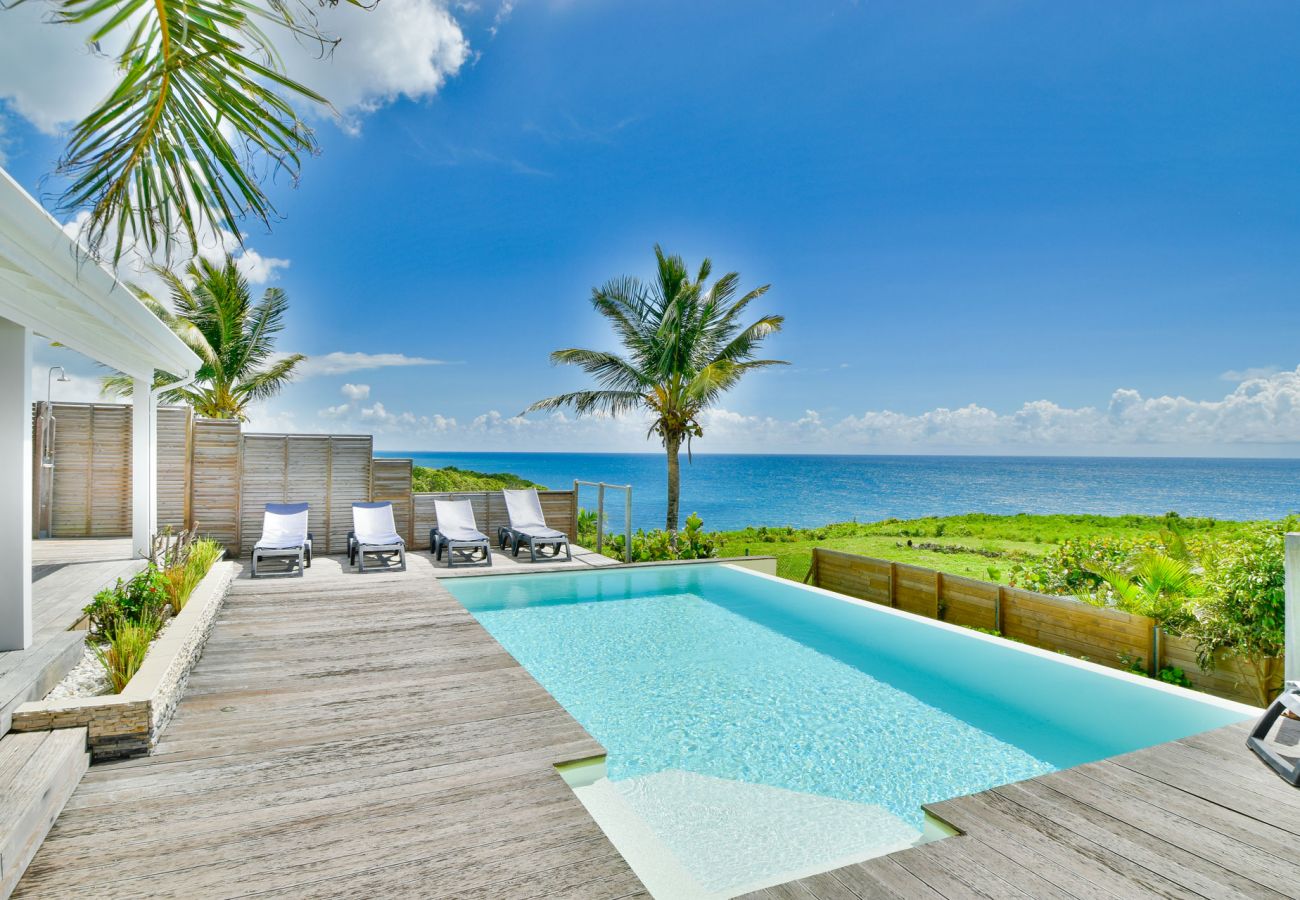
[{"x": 758, "y": 730}]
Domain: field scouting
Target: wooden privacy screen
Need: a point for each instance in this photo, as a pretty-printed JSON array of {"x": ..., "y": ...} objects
[
  {"x": 330, "y": 472},
  {"x": 390, "y": 479},
  {"x": 559, "y": 508},
  {"x": 91, "y": 477},
  {"x": 214, "y": 478},
  {"x": 1106, "y": 636}
]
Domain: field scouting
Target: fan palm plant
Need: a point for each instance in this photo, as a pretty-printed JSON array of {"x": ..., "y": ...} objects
[
  {"x": 212, "y": 311},
  {"x": 685, "y": 347},
  {"x": 1157, "y": 586},
  {"x": 156, "y": 160}
]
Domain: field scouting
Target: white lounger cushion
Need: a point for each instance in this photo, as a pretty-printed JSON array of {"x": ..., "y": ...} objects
[
  {"x": 373, "y": 525},
  {"x": 284, "y": 526},
  {"x": 456, "y": 520},
  {"x": 525, "y": 511}
]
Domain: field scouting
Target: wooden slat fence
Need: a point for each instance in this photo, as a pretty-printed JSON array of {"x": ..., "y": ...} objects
[
  {"x": 490, "y": 512},
  {"x": 329, "y": 472},
  {"x": 214, "y": 479},
  {"x": 174, "y": 435},
  {"x": 91, "y": 477},
  {"x": 390, "y": 479},
  {"x": 1106, "y": 636}
]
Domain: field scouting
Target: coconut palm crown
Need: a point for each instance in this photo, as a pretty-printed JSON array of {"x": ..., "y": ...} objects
[
  {"x": 685, "y": 347},
  {"x": 212, "y": 311}
]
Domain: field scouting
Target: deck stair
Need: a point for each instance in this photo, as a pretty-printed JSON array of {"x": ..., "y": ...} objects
[{"x": 39, "y": 771}]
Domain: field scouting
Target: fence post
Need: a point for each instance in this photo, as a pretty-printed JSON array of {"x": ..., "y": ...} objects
[
  {"x": 1157, "y": 650},
  {"x": 893, "y": 582},
  {"x": 600, "y": 516},
  {"x": 997, "y": 611},
  {"x": 938, "y": 594},
  {"x": 627, "y": 524},
  {"x": 573, "y": 506},
  {"x": 1291, "y": 563}
]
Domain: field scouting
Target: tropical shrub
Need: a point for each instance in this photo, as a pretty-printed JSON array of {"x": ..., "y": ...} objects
[
  {"x": 142, "y": 597},
  {"x": 124, "y": 651},
  {"x": 1157, "y": 586},
  {"x": 1243, "y": 612},
  {"x": 450, "y": 478},
  {"x": 184, "y": 576},
  {"x": 693, "y": 542}
]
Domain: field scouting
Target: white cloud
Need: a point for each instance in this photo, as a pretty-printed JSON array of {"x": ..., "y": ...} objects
[
  {"x": 1238, "y": 375},
  {"x": 341, "y": 363},
  {"x": 77, "y": 389},
  {"x": 134, "y": 266},
  {"x": 400, "y": 48},
  {"x": 49, "y": 75},
  {"x": 1258, "y": 416}
]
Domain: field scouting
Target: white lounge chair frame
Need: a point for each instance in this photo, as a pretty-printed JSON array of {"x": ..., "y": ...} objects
[
  {"x": 284, "y": 536},
  {"x": 458, "y": 534},
  {"x": 528, "y": 526},
  {"x": 374, "y": 532}
]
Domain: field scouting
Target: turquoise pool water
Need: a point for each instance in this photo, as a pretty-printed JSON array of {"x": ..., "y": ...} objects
[{"x": 725, "y": 677}]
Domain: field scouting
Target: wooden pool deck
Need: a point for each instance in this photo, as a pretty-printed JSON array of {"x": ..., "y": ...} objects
[
  {"x": 362, "y": 736},
  {"x": 343, "y": 735},
  {"x": 1200, "y": 817}
]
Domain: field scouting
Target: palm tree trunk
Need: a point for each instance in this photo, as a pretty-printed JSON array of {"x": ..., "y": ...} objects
[{"x": 672, "y": 445}]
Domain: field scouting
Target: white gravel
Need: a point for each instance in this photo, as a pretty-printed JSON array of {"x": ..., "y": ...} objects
[{"x": 88, "y": 678}]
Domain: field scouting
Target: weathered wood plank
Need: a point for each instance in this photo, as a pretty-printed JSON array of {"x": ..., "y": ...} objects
[{"x": 369, "y": 764}]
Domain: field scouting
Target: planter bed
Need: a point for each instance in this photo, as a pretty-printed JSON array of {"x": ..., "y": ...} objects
[{"x": 130, "y": 723}]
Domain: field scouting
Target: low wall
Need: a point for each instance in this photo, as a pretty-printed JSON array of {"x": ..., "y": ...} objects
[
  {"x": 130, "y": 723},
  {"x": 1109, "y": 637}
]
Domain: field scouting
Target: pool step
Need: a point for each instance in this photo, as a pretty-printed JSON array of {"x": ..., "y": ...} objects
[{"x": 39, "y": 771}]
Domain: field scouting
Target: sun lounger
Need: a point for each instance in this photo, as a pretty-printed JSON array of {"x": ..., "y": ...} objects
[
  {"x": 457, "y": 533},
  {"x": 528, "y": 526},
  {"x": 373, "y": 532},
  {"x": 284, "y": 536}
]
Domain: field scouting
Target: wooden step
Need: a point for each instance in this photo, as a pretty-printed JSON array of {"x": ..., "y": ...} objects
[
  {"x": 38, "y": 773},
  {"x": 30, "y": 674}
]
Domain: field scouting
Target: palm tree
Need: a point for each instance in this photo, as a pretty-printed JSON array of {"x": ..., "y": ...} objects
[
  {"x": 212, "y": 311},
  {"x": 201, "y": 107},
  {"x": 1157, "y": 587},
  {"x": 685, "y": 347}
]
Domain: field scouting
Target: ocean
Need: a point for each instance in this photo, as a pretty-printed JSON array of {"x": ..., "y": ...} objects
[{"x": 732, "y": 491}]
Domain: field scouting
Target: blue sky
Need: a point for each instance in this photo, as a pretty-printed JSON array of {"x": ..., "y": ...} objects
[{"x": 992, "y": 227}]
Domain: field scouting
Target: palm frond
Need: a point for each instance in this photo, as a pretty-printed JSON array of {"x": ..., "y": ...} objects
[
  {"x": 610, "y": 370},
  {"x": 584, "y": 403},
  {"x": 156, "y": 160}
]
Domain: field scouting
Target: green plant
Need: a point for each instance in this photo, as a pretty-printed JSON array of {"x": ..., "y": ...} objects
[
  {"x": 1158, "y": 586},
  {"x": 105, "y": 612},
  {"x": 123, "y": 652},
  {"x": 1243, "y": 612},
  {"x": 183, "y": 578},
  {"x": 693, "y": 542},
  {"x": 142, "y": 597},
  {"x": 1175, "y": 676},
  {"x": 686, "y": 346},
  {"x": 450, "y": 478},
  {"x": 213, "y": 312},
  {"x": 202, "y": 107}
]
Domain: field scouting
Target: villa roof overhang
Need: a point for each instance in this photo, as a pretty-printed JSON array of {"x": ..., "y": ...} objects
[{"x": 50, "y": 284}]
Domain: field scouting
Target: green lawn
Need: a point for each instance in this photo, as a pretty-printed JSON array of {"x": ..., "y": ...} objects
[{"x": 970, "y": 545}]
